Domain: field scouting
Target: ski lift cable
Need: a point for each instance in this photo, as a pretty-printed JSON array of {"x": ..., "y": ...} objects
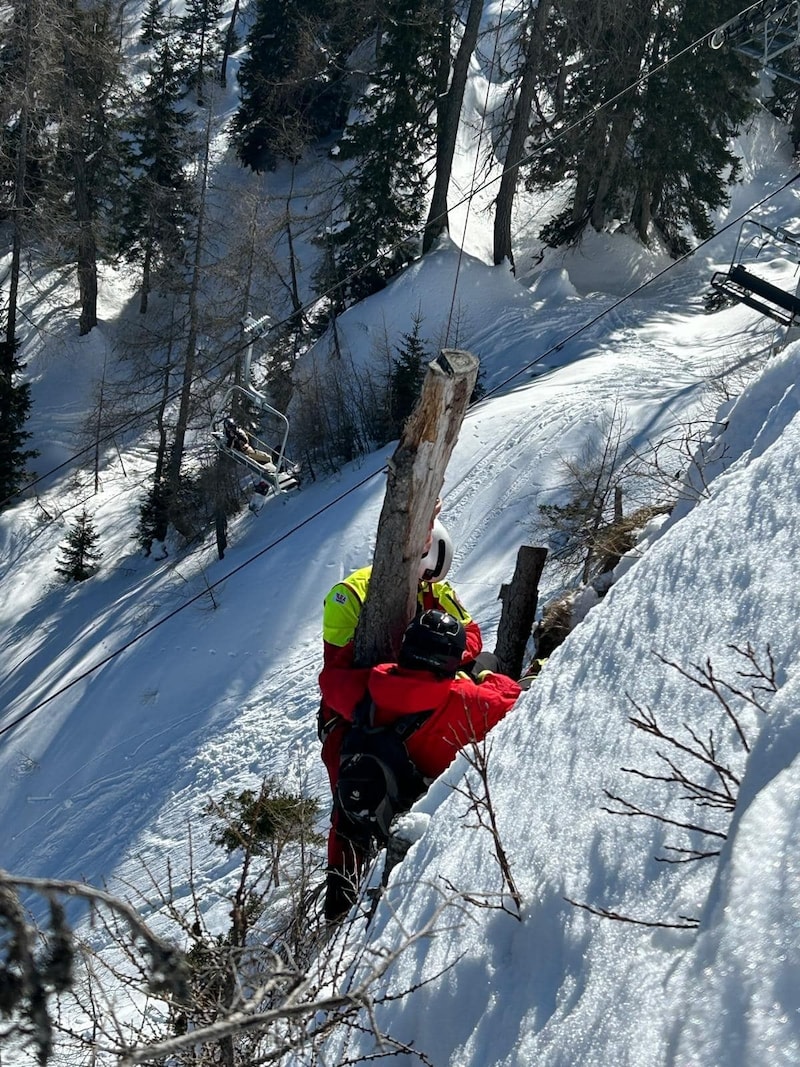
[
  {"x": 139, "y": 417},
  {"x": 368, "y": 478},
  {"x": 634, "y": 292}
]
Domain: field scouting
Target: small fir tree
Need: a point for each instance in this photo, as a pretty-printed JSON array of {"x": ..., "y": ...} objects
[
  {"x": 79, "y": 556},
  {"x": 406, "y": 377},
  {"x": 15, "y": 405}
]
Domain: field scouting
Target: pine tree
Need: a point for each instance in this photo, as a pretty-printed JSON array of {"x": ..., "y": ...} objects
[
  {"x": 15, "y": 405},
  {"x": 85, "y": 166},
  {"x": 690, "y": 111},
  {"x": 151, "y": 27},
  {"x": 389, "y": 144},
  {"x": 79, "y": 555},
  {"x": 660, "y": 151}
]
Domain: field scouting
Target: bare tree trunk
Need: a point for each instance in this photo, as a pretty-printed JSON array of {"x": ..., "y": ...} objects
[
  {"x": 519, "y": 609},
  {"x": 184, "y": 406},
  {"x": 414, "y": 480},
  {"x": 20, "y": 170},
  {"x": 448, "y": 118},
  {"x": 504, "y": 204},
  {"x": 229, "y": 39},
  {"x": 86, "y": 246}
]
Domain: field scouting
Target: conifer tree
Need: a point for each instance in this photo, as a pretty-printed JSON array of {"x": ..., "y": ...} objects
[
  {"x": 202, "y": 43},
  {"x": 389, "y": 144},
  {"x": 79, "y": 555},
  {"x": 88, "y": 143},
  {"x": 150, "y": 26},
  {"x": 690, "y": 110},
  {"x": 293, "y": 80},
  {"x": 159, "y": 200},
  {"x": 660, "y": 150},
  {"x": 407, "y": 374},
  {"x": 15, "y": 405}
]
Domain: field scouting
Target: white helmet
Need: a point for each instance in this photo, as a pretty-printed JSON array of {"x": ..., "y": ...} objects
[{"x": 435, "y": 564}]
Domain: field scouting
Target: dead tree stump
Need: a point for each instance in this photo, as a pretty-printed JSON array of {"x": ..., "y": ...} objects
[
  {"x": 519, "y": 598},
  {"x": 414, "y": 480}
]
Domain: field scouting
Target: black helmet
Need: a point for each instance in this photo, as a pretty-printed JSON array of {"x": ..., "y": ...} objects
[
  {"x": 229, "y": 424},
  {"x": 433, "y": 641}
]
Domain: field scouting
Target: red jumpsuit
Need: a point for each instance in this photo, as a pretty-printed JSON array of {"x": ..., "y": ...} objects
[
  {"x": 342, "y": 685},
  {"x": 464, "y": 710}
]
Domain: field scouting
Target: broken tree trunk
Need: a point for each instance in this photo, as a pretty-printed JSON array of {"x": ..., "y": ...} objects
[
  {"x": 413, "y": 482},
  {"x": 519, "y": 609}
]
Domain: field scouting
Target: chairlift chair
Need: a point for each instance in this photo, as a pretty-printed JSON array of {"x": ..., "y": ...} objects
[
  {"x": 740, "y": 284},
  {"x": 763, "y": 32},
  {"x": 286, "y": 476}
]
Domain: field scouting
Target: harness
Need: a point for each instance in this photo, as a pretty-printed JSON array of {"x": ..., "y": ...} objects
[{"x": 377, "y": 777}]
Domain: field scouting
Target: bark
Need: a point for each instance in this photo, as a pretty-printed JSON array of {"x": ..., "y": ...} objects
[
  {"x": 448, "y": 120},
  {"x": 414, "y": 480},
  {"x": 520, "y": 599},
  {"x": 504, "y": 204}
]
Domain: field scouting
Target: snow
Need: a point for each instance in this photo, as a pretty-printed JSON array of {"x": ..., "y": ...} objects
[{"x": 207, "y": 676}]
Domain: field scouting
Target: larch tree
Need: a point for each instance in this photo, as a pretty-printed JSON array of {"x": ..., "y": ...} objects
[
  {"x": 28, "y": 53},
  {"x": 531, "y": 47}
]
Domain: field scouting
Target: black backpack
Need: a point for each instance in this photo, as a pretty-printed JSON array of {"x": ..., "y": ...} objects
[{"x": 377, "y": 779}]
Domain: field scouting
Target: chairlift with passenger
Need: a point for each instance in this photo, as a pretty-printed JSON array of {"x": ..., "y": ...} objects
[
  {"x": 741, "y": 284},
  {"x": 273, "y": 473}
]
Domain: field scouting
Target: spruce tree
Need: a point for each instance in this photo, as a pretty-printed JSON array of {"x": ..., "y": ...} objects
[
  {"x": 152, "y": 27},
  {"x": 15, "y": 405},
  {"x": 389, "y": 144},
  {"x": 690, "y": 110},
  {"x": 79, "y": 555},
  {"x": 201, "y": 43},
  {"x": 659, "y": 152},
  {"x": 293, "y": 80},
  {"x": 406, "y": 377},
  {"x": 158, "y": 200}
]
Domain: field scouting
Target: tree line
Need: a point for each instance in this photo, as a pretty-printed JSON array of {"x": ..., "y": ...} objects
[{"x": 109, "y": 153}]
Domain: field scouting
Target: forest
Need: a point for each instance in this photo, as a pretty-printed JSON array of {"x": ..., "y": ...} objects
[{"x": 121, "y": 129}]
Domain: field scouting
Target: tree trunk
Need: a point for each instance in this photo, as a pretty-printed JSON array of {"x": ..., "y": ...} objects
[
  {"x": 229, "y": 39},
  {"x": 86, "y": 246},
  {"x": 504, "y": 203},
  {"x": 519, "y": 610},
  {"x": 414, "y": 480},
  {"x": 184, "y": 406},
  {"x": 447, "y": 121}
]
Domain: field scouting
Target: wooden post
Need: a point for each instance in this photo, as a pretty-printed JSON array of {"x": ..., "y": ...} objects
[
  {"x": 519, "y": 609},
  {"x": 414, "y": 480}
]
